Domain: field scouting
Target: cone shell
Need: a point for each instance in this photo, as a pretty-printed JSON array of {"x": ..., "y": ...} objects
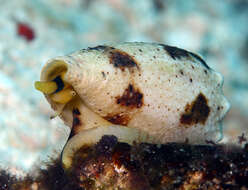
[
  {"x": 139, "y": 92},
  {"x": 169, "y": 93}
]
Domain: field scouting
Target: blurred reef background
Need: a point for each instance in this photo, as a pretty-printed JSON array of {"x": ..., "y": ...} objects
[{"x": 33, "y": 31}]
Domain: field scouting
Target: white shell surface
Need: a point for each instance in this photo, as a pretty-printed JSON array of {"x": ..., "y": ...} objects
[{"x": 165, "y": 91}]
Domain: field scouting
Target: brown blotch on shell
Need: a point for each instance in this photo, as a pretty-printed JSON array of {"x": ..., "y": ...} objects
[
  {"x": 174, "y": 52},
  {"x": 118, "y": 119},
  {"x": 75, "y": 122},
  {"x": 178, "y": 53},
  {"x": 131, "y": 98},
  {"x": 100, "y": 47},
  {"x": 122, "y": 60},
  {"x": 196, "y": 112}
]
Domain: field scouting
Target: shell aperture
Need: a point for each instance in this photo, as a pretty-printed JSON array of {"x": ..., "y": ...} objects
[{"x": 165, "y": 92}]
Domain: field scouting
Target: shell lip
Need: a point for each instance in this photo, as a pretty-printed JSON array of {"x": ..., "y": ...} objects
[
  {"x": 92, "y": 136},
  {"x": 53, "y": 68}
]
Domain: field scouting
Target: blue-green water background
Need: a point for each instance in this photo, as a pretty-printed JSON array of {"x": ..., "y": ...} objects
[{"x": 215, "y": 29}]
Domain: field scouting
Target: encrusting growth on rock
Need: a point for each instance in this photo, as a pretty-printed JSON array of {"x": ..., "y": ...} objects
[{"x": 111, "y": 164}]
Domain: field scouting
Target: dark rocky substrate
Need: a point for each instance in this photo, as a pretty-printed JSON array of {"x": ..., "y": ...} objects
[{"x": 114, "y": 165}]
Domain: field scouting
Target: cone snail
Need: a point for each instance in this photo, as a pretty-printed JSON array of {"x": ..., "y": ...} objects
[{"x": 139, "y": 92}]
